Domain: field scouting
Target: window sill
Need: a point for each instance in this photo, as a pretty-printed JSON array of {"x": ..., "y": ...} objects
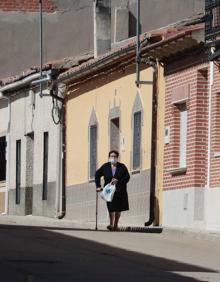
[
  {"x": 177, "y": 171},
  {"x": 137, "y": 171},
  {"x": 217, "y": 154}
]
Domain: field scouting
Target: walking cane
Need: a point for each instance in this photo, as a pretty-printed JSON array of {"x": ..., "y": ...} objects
[{"x": 96, "y": 212}]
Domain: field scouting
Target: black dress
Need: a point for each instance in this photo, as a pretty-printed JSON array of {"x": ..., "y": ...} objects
[{"x": 120, "y": 199}]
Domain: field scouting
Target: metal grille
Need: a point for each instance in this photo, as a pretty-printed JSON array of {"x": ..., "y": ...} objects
[
  {"x": 137, "y": 140},
  {"x": 45, "y": 166},
  {"x": 93, "y": 151},
  {"x": 18, "y": 171},
  {"x": 212, "y": 24},
  {"x": 115, "y": 134},
  {"x": 2, "y": 159}
]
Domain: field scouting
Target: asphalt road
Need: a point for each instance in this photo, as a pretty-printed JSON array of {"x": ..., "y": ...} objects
[{"x": 53, "y": 254}]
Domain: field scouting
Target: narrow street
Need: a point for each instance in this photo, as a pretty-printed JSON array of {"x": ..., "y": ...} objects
[{"x": 55, "y": 254}]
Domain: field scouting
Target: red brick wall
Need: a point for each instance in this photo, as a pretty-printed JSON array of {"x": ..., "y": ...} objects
[
  {"x": 197, "y": 132},
  {"x": 215, "y": 141},
  {"x": 26, "y": 5}
]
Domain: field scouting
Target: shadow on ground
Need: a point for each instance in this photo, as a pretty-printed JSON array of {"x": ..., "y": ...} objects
[{"x": 35, "y": 254}]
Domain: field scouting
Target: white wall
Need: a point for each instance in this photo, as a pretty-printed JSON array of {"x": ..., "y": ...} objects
[
  {"x": 25, "y": 119},
  {"x": 196, "y": 208},
  {"x": 3, "y": 117},
  {"x": 184, "y": 208},
  {"x": 213, "y": 209}
]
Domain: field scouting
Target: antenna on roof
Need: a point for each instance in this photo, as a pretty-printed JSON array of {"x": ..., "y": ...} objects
[
  {"x": 138, "y": 48},
  {"x": 41, "y": 42},
  {"x": 44, "y": 77}
]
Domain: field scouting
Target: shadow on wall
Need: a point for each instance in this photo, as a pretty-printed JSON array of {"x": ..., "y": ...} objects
[{"x": 52, "y": 257}]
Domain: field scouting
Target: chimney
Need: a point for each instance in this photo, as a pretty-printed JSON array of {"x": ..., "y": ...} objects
[{"x": 102, "y": 27}]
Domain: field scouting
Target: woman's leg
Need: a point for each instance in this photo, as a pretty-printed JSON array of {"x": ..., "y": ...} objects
[
  {"x": 112, "y": 218},
  {"x": 117, "y": 216}
]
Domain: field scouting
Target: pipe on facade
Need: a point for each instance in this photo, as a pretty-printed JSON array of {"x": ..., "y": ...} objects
[
  {"x": 63, "y": 144},
  {"x": 153, "y": 147},
  {"x": 211, "y": 80},
  {"x": 17, "y": 84},
  {"x": 59, "y": 176},
  {"x": 63, "y": 190}
]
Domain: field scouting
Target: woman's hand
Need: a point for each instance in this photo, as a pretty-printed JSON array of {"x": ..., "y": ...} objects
[
  {"x": 99, "y": 189},
  {"x": 114, "y": 181}
]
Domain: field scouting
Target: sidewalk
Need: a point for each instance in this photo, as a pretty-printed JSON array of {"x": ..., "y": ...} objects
[{"x": 36, "y": 221}]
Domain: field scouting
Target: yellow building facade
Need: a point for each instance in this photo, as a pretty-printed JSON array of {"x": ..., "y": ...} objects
[{"x": 108, "y": 112}]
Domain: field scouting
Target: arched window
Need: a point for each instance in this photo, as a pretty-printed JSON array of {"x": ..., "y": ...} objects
[
  {"x": 137, "y": 114},
  {"x": 92, "y": 145}
]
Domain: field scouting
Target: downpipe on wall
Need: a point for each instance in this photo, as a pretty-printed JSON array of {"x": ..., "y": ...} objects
[
  {"x": 62, "y": 149},
  {"x": 211, "y": 81},
  {"x": 151, "y": 63},
  {"x": 153, "y": 147}
]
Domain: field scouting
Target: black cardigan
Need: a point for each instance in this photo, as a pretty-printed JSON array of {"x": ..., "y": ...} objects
[{"x": 121, "y": 174}]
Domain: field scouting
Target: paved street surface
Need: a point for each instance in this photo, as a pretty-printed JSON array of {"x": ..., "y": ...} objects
[{"x": 58, "y": 251}]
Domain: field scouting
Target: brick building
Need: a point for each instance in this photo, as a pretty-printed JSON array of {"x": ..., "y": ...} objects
[{"x": 191, "y": 180}]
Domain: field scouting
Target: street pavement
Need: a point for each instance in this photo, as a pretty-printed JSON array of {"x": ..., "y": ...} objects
[{"x": 44, "y": 250}]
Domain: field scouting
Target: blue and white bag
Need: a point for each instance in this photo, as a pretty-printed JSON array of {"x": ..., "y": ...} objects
[{"x": 108, "y": 192}]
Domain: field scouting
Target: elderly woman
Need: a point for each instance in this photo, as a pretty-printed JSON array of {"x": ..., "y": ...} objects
[{"x": 116, "y": 173}]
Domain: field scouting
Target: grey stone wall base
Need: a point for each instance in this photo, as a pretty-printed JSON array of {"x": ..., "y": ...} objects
[
  {"x": 44, "y": 207},
  {"x": 81, "y": 202},
  {"x": 31, "y": 201},
  {"x": 28, "y": 200},
  {"x": 25, "y": 205}
]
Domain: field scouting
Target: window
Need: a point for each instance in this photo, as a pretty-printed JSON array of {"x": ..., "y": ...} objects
[
  {"x": 115, "y": 134},
  {"x": 93, "y": 151},
  {"x": 183, "y": 135},
  {"x": 2, "y": 158},
  {"x": 45, "y": 166},
  {"x": 137, "y": 141},
  {"x": 18, "y": 171}
]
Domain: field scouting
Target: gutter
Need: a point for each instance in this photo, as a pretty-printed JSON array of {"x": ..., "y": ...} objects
[
  {"x": 20, "y": 83},
  {"x": 123, "y": 52}
]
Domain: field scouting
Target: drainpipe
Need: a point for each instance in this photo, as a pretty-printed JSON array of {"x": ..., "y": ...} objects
[
  {"x": 63, "y": 188},
  {"x": 153, "y": 147},
  {"x": 7, "y": 152},
  {"x": 211, "y": 79},
  {"x": 153, "y": 64},
  {"x": 61, "y": 181},
  {"x": 59, "y": 172},
  {"x": 62, "y": 157}
]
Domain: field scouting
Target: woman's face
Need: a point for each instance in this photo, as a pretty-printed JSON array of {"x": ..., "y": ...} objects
[{"x": 113, "y": 158}]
